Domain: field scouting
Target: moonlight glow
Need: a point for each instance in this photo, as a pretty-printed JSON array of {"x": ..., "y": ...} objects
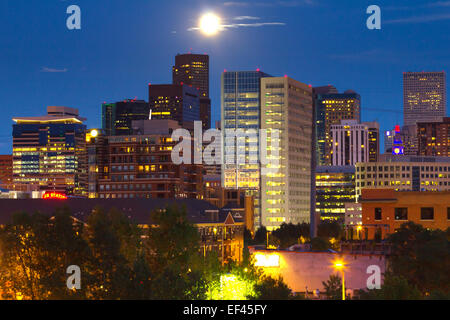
[{"x": 209, "y": 24}]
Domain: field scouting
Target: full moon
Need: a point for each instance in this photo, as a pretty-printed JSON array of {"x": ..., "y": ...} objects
[{"x": 209, "y": 24}]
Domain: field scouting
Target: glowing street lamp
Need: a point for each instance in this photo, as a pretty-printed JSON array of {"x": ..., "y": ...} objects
[
  {"x": 339, "y": 265},
  {"x": 359, "y": 229}
]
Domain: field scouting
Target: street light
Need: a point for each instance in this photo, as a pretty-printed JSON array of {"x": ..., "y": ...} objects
[
  {"x": 339, "y": 265},
  {"x": 359, "y": 229}
]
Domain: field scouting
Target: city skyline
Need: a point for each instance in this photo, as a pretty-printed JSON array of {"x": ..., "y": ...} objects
[{"x": 111, "y": 61}]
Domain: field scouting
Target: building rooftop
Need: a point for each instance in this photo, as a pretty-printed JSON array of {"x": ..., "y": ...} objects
[
  {"x": 138, "y": 210},
  {"x": 54, "y": 115}
]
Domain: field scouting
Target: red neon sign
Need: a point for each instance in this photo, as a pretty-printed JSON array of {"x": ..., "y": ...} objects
[{"x": 54, "y": 195}]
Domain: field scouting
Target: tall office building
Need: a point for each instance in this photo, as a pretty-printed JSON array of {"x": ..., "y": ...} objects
[
  {"x": 350, "y": 143},
  {"x": 319, "y": 121},
  {"x": 193, "y": 69},
  {"x": 6, "y": 171},
  {"x": 286, "y": 106},
  {"x": 49, "y": 151},
  {"x": 409, "y": 139},
  {"x": 424, "y": 97},
  {"x": 374, "y": 140},
  {"x": 241, "y": 109},
  {"x": 335, "y": 187},
  {"x": 388, "y": 141},
  {"x": 140, "y": 165},
  {"x": 174, "y": 102},
  {"x": 434, "y": 138},
  {"x": 330, "y": 109},
  {"x": 117, "y": 117},
  {"x": 97, "y": 155}
]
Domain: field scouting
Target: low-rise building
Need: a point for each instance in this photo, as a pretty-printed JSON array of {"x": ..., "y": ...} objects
[
  {"x": 385, "y": 210},
  {"x": 305, "y": 272},
  {"x": 353, "y": 214}
]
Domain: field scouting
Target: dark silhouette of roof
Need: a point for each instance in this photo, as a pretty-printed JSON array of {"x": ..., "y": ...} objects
[{"x": 138, "y": 210}]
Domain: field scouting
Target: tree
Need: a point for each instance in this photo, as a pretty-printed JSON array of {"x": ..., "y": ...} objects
[
  {"x": 289, "y": 234},
  {"x": 35, "y": 253},
  {"x": 393, "y": 288},
  {"x": 331, "y": 229},
  {"x": 320, "y": 244},
  {"x": 260, "y": 236},
  {"x": 108, "y": 269},
  {"x": 268, "y": 288},
  {"x": 173, "y": 256},
  {"x": 333, "y": 287},
  {"x": 421, "y": 256}
]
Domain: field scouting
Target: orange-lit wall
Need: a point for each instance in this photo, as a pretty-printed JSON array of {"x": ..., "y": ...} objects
[
  {"x": 308, "y": 269},
  {"x": 389, "y": 199}
]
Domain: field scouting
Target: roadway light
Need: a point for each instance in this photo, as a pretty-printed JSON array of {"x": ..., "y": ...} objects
[{"x": 339, "y": 265}]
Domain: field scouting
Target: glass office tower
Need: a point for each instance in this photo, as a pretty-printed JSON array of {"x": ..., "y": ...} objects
[
  {"x": 49, "y": 152},
  {"x": 241, "y": 109}
]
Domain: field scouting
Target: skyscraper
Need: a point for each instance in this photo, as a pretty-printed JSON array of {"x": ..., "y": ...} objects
[
  {"x": 140, "y": 165},
  {"x": 286, "y": 105},
  {"x": 193, "y": 69},
  {"x": 424, "y": 97},
  {"x": 350, "y": 143},
  {"x": 174, "y": 102},
  {"x": 49, "y": 151},
  {"x": 434, "y": 138},
  {"x": 117, "y": 117},
  {"x": 374, "y": 140},
  {"x": 331, "y": 108},
  {"x": 241, "y": 109},
  {"x": 335, "y": 187},
  {"x": 6, "y": 171}
]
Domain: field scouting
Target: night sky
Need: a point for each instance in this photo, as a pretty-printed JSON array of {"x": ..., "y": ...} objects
[{"x": 125, "y": 44}]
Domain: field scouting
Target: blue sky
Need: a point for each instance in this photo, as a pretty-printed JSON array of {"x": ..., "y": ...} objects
[{"x": 125, "y": 44}]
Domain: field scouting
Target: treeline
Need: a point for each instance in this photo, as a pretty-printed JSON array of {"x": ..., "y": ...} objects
[
  {"x": 417, "y": 267},
  {"x": 117, "y": 259},
  {"x": 290, "y": 234}
]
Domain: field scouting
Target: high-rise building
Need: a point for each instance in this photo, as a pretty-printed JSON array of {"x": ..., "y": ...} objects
[
  {"x": 117, "y": 117},
  {"x": 179, "y": 102},
  {"x": 335, "y": 187},
  {"x": 49, "y": 151},
  {"x": 388, "y": 140},
  {"x": 319, "y": 120},
  {"x": 193, "y": 69},
  {"x": 241, "y": 110},
  {"x": 96, "y": 152},
  {"x": 6, "y": 171},
  {"x": 286, "y": 106},
  {"x": 374, "y": 140},
  {"x": 350, "y": 143},
  {"x": 424, "y": 97},
  {"x": 401, "y": 141},
  {"x": 330, "y": 109},
  {"x": 140, "y": 165},
  {"x": 408, "y": 136},
  {"x": 434, "y": 138}
]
